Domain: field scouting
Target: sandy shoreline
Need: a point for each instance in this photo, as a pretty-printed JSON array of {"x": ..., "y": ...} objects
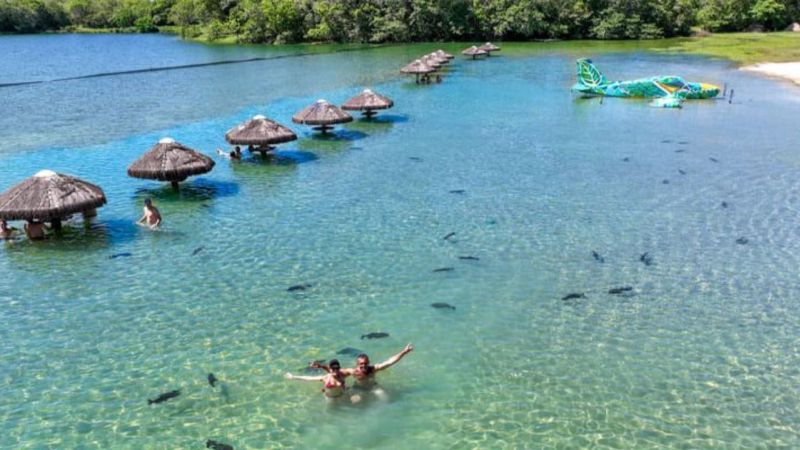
[{"x": 789, "y": 71}]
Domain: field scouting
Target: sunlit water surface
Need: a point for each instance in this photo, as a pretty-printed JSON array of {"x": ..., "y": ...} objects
[{"x": 704, "y": 351}]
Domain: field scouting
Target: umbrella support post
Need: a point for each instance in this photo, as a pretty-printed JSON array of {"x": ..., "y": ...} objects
[
  {"x": 417, "y": 79},
  {"x": 175, "y": 185},
  {"x": 55, "y": 224},
  {"x": 264, "y": 151},
  {"x": 369, "y": 114}
]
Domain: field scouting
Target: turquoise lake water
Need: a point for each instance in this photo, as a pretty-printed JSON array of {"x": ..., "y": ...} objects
[{"x": 704, "y": 353}]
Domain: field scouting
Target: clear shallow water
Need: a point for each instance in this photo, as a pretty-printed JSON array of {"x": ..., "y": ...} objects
[{"x": 704, "y": 354}]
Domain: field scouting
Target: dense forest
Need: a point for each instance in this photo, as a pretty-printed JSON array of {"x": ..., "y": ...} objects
[{"x": 286, "y": 21}]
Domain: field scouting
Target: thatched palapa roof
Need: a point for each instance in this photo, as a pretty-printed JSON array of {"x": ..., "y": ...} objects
[
  {"x": 489, "y": 47},
  {"x": 49, "y": 196},
  {"x": 474, "y": 51},
  {"x": 322, "y": 113},
  {"x": 438, "y": 58},
  {"x": 444, "y": 54},
  {"x": 170, "y": 161},
  {"x": 431, "y": 62},
  {"x": 368, "y": 100},
  {"x": 259, "y": 131},
  {"x": 417, "y": 67}
]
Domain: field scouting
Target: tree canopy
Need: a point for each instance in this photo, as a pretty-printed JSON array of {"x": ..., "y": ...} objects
[{"x": 286, "y": 21}]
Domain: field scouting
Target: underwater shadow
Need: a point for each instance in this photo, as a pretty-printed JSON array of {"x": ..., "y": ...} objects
[
  {"x": 79, "y": 237},
  {"x": 338, "y": 135},
  {"x": 378, "y": 124},
  {"x": 281, "y": 158},
  {"x": 201, "y": 189}
]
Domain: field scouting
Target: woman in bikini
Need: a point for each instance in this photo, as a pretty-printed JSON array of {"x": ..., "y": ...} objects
[{"x": 333, "y": 381}]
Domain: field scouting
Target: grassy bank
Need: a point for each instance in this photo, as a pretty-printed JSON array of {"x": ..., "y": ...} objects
[{"x": 742, "y": 48}]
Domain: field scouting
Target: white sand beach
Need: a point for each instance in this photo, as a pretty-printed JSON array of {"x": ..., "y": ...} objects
[{"x": 789, "y": 71}]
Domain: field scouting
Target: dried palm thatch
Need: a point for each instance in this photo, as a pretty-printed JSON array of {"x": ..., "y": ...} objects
[
  {"x": 259, "y": 131},
  {"x": 443, "y": 54},
  {"x": 368, "y": 102},
  {"x": 441, "y": 60},
  {"x": 322, "y": 114},
  {"x": 474, "y": 52},
  {"x": 418, "y": 68},
  {"x": 430, "y": 61},
  {"x": 489, "y": 47},
  {"x": 170, "y": 161},
  {"x": 48, "y": 197}
]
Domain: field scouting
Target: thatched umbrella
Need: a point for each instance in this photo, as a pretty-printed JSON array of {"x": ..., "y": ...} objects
[
  {"x": 489, "y": 47},
  {"x": 322, "y": 114},
  {"x": 474, "y": 52},
  {"x": 444, "y": 54},
  {"x": 368, "y": 102},
  {"x": 438, "y": 58},
  {"x": 417, "y": 67},
  {"x": 49, "y": 197},
  {"x": 170, "y": 161},
  {"x": 261, "y": 132}
]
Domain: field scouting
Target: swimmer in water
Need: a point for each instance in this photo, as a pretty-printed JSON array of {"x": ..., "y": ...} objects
[
  {"x": 6, "y": 232},
  {"x": 151, "y": 216},
  {"x": 233, "y": 154},
  {"x": 333, "y": 381},
  {"x": 364, "y": 373}
]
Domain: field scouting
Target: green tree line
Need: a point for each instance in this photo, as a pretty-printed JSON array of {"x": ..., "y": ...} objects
[{"x": 286, "y": 21}]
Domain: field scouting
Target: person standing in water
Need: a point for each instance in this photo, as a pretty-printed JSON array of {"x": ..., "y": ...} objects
[
  {"x": 364, "y": 373},
  {"x": 151, "y": 216},
  {"x": 34, "y": 229},
  {"x": 6, "y": 232},
  {"x": 334, "y": 380}
]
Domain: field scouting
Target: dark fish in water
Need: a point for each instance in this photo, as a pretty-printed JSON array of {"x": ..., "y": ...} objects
[
  {"x": 449, "y": 235},
  {"x": 665, "y": 182},
  {"x": 626, "y": 159},
  {"x": 214, "y": 445},
  {"x": 120, "y": 255},
  {"x": 666, "y": 141},
  {"x": 440, "y": 305},
  {"x": 205, "y": 205},
  {"x": 444, "y": 269},
  {"x": 349, "y": 351},
  {"x": 457, "y": 191},
  {"x": 646, "y": 259},
  {"x": 682, "y": 142},
  {"x": 164, "y": 397},
  {"x": 415, "y": 158},
  {"x": 724, "y": 204},
  {"x": 680, "y": 150},
  {"x": 212, "y": 379},
  {"x": 742, "y": 240},
  {"x": 598, "y": 257},
  {"x": 712, "y": 159},
  {"x": 469, "y": 258},
  {"x": 197, "y": 250},
  {"x": 299, "y": 287},
  {"x": 620, "y": 290},
  {"x": 681, "y": 171},
  {"x": 573, "y": 296},
  {"x": 377, "y": 335}
]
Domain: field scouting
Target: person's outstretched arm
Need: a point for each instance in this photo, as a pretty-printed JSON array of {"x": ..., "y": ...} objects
[
  {"x": 289, "y": 376},
  {"x": 319, "y": 365},
  {"x": 394, "y": 359}
]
